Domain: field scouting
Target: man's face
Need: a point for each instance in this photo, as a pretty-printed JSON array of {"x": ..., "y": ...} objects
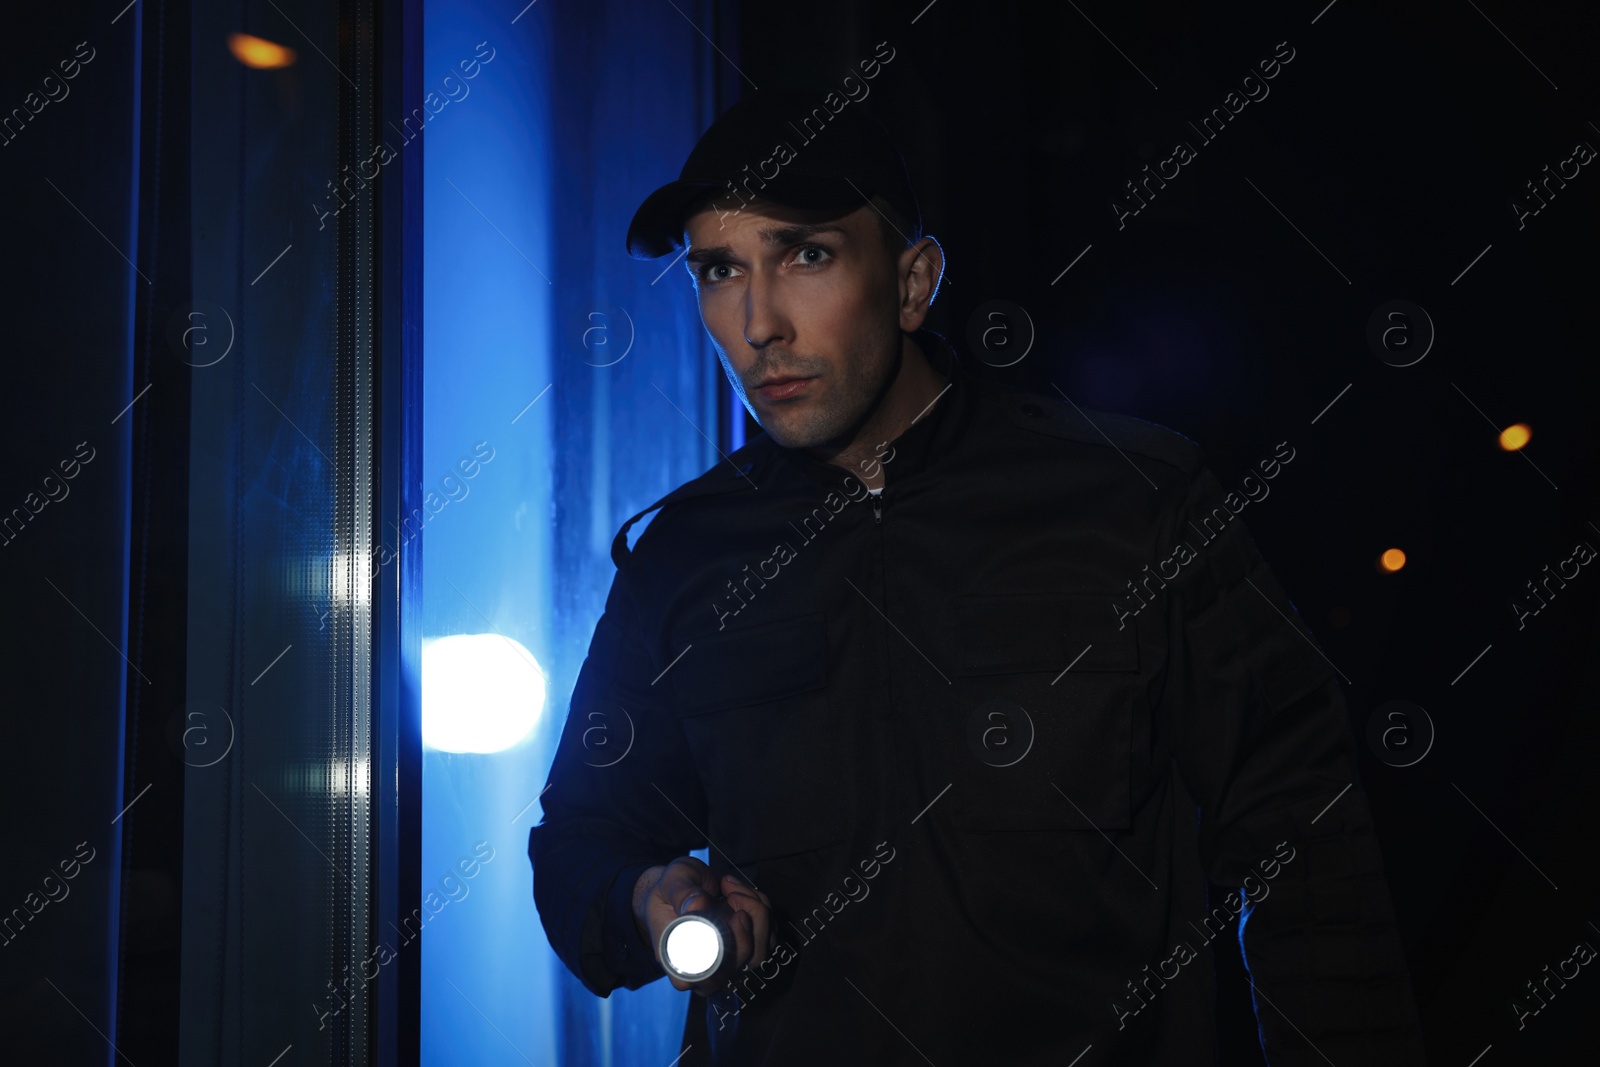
[{"x": 791, "y": 294}]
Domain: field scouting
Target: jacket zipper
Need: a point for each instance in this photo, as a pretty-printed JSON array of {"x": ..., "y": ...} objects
[{"x": 877, "y": 509}]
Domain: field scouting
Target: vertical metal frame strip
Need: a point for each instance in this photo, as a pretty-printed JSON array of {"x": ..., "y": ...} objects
[{"x": 354, "y": 523}]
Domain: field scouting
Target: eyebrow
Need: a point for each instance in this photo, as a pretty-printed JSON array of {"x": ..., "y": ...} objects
[{"x": 779, "y": 236}]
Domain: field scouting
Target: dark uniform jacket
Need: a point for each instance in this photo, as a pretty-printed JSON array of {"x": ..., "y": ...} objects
[{"x": 982, "y": 740}]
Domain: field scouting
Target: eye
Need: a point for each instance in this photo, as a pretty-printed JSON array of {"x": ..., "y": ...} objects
[
  {"x": 804, "y": 250},
  {"x": 708, "y": 272}
]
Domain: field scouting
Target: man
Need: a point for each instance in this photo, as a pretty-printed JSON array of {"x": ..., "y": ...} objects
[{"x": 967, "y": 691}]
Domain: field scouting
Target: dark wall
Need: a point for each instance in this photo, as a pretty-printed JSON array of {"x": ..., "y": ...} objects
[
  {"x": 1233, "y": 306},
  {"x": 66, "y": 166}
]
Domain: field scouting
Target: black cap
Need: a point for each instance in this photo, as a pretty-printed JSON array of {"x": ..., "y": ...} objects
[{"x": 783, "y": 145}]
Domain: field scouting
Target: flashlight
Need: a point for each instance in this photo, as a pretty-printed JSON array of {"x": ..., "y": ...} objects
[{"x": 698, "y": 945}]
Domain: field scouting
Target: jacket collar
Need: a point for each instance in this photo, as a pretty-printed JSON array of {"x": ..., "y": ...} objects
[
  {"x": 919, "y": 447},
  {"x": 926, "y": 440}
]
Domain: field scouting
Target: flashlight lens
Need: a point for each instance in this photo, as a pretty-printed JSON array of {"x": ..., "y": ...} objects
[{"x": 693, "y": 947}]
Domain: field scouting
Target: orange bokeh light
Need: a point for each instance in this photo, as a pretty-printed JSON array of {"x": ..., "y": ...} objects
[
  {"x": 259, "y": 53},
  {"x": 1392, "y": 560},
  {"x": 1515, "y": 436}
]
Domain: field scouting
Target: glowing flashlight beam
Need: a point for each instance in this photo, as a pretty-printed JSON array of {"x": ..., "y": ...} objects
[{"x": 694, "y": 948}]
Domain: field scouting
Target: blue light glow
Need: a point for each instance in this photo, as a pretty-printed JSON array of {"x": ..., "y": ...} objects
[
  {"x": 590, "y": 375},
  {"x": 480, "y": 693}
]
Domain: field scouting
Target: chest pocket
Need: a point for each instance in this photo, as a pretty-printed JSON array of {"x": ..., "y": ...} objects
[
  {"x": 754, "y": 706},
  {"x": 1044, "y": 704}
]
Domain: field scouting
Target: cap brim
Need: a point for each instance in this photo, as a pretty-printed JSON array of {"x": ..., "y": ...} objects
[{"x": 657, "y": 227}]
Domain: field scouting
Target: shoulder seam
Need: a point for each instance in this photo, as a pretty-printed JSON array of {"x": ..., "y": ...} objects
[{"x": 705, "y": 484}]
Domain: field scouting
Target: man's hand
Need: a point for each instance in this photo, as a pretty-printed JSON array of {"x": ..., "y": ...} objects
[{"x": 686, "y": 885}]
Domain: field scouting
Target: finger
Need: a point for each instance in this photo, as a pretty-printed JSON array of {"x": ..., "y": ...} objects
[
  {"x": 760, "y": 925},
  {"x": 674, "y": 892},
  {"x": 761, "y": 931},
  {"x": 743, "y": 927},
  {"x": 746, "y": 900},
  {"x": 760, "y": 921},
  {"x": 740, "y": 885},
  {"x": 743, "y": 893},
  {"x": 686, "y": 889}
]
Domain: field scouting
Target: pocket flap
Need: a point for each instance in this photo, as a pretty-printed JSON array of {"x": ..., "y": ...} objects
[{"x": 744, "y": 665}]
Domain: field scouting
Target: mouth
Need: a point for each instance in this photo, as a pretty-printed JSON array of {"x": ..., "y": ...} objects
[{"x": 783, "y": 387}]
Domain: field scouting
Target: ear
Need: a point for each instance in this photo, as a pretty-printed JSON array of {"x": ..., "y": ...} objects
[{"x": 920, "y": 268}]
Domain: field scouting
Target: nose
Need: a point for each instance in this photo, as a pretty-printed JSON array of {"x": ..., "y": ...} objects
[{"x": 764, "y": 318}]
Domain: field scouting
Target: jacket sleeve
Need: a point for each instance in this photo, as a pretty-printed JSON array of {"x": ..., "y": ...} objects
[
  {"x": 1264, "y": 745},
  {"x": 623, "y": 795}
]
